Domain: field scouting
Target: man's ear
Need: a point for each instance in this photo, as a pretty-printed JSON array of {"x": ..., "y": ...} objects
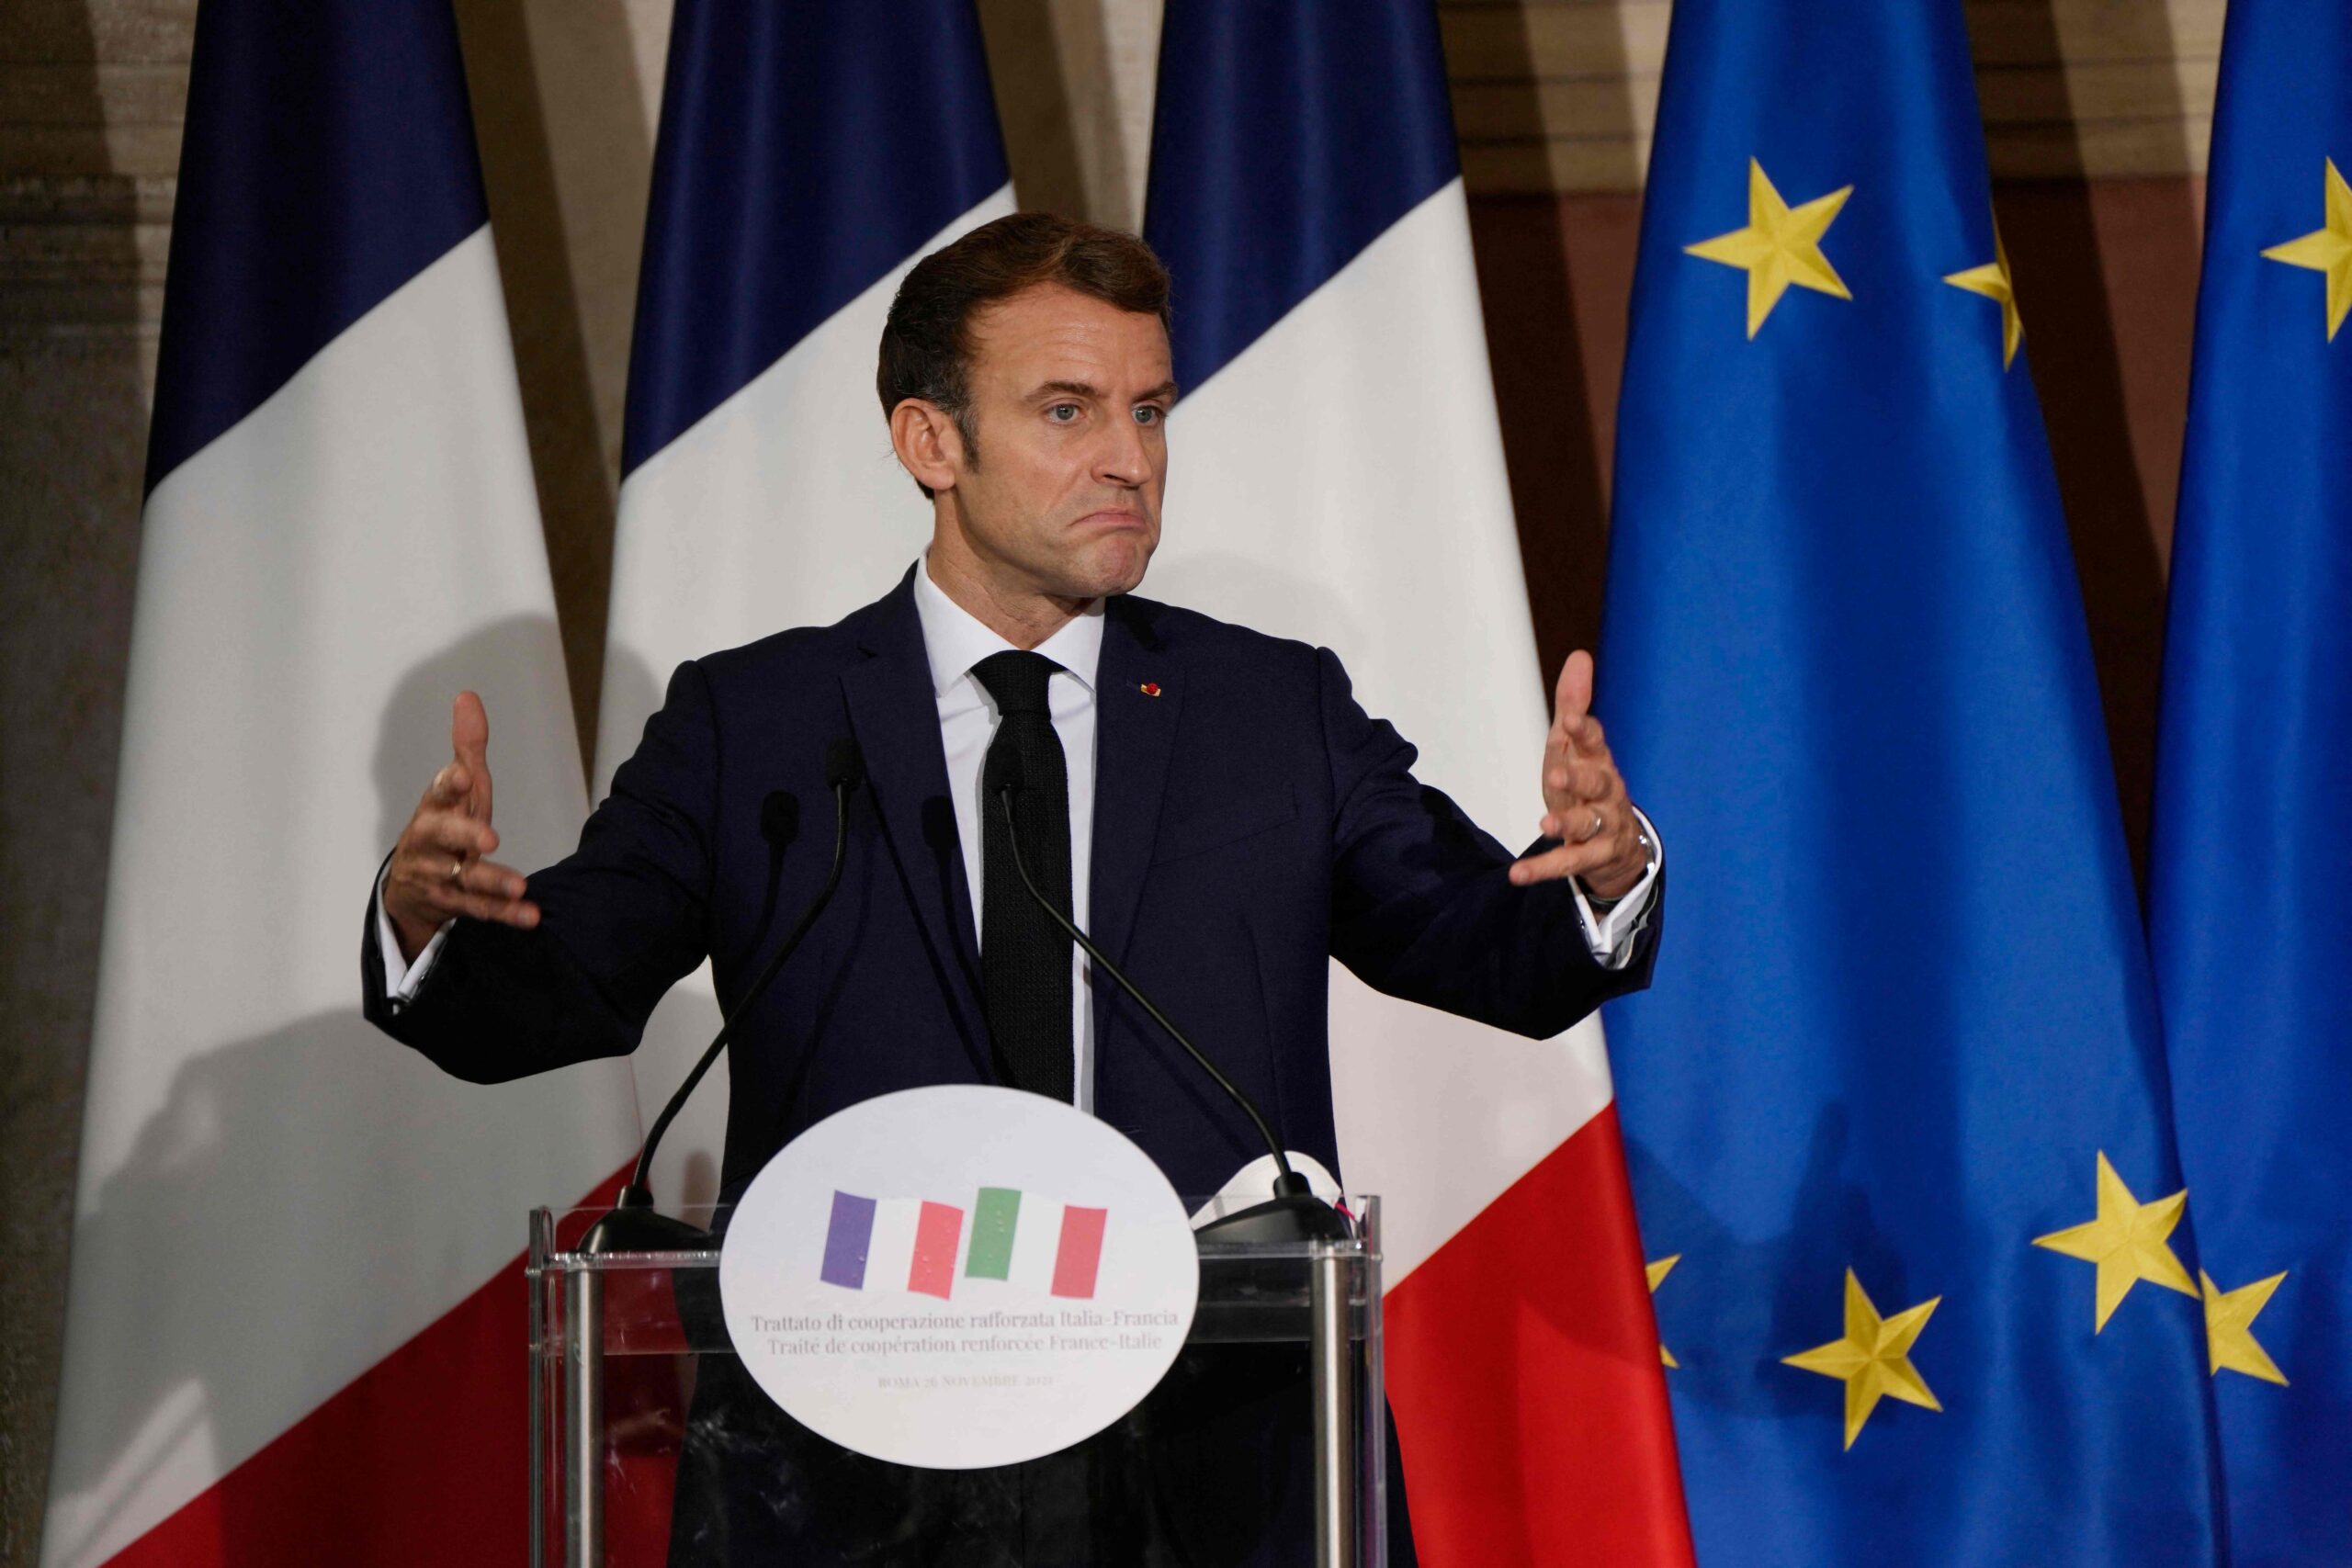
[{"x": 930, "y": 446}]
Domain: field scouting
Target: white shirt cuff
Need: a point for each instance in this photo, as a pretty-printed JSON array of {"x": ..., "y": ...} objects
[
  {"x": 1612, "y": 934},
  {"x": 402, "y": 979}
]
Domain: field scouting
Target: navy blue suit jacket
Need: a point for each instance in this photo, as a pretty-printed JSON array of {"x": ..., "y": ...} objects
[{"x": 1251, "y": 821}]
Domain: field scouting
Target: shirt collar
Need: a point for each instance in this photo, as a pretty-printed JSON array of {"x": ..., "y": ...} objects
[{"x": 953, "y": 639}]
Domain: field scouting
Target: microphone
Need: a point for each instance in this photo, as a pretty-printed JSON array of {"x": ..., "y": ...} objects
[
  {"x": 780, "y": 828},
  {"x": 632, "y": 1225},
  {"x": 1294, "y": 1213}
]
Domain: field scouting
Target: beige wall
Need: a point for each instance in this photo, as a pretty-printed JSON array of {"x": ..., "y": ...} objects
[{"x": 1554, "y": 99}]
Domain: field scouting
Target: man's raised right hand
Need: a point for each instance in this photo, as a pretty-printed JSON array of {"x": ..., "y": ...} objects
[{"x": 439, "y": 870}]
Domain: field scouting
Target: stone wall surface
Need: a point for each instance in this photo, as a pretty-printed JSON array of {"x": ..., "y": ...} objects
[
  {"x": 1553, "y": 97},
  {"x": 89, "y": 113}
]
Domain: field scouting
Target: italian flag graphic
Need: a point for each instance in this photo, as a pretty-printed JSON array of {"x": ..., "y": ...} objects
[{"x": 914, "y": 1243}]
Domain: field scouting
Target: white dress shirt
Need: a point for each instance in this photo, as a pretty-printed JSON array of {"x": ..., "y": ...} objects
[{"x": 954, "y": 641}]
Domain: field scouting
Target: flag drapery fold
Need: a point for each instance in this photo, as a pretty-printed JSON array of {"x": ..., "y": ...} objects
[
  {"x": 1336, "y": 474},
  {"x": 809, "y": 151},
  {"x": 296, "y": 1301},
  {"x": 2250, "y": 867},
  {"x": 1894, "y": 1102}
]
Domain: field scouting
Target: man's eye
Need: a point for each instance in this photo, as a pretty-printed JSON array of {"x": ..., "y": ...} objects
[
  {"x": 1147, "y": 415},
  {"x": 1062, "y": 414}
]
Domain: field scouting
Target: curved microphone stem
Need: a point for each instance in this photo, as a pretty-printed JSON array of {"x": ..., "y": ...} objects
[
  {"x": 1289, "y": 1182},
  {"x": 638, "y": 1194}
]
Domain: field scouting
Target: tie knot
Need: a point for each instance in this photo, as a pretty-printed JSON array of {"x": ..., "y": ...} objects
[{"x": 1017, "y": 681}]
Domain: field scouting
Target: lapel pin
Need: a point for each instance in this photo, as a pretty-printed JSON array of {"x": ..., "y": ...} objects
[{"x": 1150, "y": 688}]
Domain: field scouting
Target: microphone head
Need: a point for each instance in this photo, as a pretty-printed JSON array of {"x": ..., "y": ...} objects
[
  {"x": 844, "y": 763},
  {"x": 1004, "y": 770}
]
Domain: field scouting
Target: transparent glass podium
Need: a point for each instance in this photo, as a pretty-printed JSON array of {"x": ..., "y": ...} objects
[{"x": 1266, "y": 1444}]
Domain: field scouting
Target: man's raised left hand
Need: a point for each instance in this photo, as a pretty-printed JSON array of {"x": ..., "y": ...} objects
[{"x": 1585, "y": 804}]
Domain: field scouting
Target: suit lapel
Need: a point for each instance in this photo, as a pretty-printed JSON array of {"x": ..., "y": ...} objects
[
  {"x": 896, "y": 715},
  {"x": 1139, "y": 691}
]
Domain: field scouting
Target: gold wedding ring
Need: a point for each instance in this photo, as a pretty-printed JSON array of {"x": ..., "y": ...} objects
[
  {"x": 1599, "y": 822},
  {"x": 456, "y": 871}
]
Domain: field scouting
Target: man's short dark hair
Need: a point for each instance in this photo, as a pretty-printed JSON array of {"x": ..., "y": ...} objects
[{"x": 927, "y": 341}]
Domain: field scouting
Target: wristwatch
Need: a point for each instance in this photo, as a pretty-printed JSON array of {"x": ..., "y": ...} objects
[{"x": 1649, "y": 860}]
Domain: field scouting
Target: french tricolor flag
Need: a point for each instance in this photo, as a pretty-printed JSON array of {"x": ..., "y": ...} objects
[
  {"x": 809, "y": 151},
  {"x": 1338, "y": 476},
  {"x": 913, "y": 1244},
  {"x": 295, "y": 1327}
]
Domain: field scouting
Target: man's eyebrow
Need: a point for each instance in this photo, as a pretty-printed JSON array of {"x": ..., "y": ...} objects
[{"x": 1166, "y": 389}]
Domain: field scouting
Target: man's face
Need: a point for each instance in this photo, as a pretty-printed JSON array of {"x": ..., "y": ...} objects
[{"x": 1070, "y": 399}]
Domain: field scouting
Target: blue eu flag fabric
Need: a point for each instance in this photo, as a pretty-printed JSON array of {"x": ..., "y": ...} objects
[
  {"x": 1895, "y": 1103},
  {"x": 2250, "y": 884}
]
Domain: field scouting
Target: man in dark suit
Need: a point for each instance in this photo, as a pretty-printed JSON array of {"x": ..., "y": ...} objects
[{"x": 1210, "y": 802}]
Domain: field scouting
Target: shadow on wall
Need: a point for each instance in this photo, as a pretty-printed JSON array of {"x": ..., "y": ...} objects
[
  {"x": 255, "y": 1150},
  {"x": 2106, "y": 272},
  {"x": 412, "y": 741}
]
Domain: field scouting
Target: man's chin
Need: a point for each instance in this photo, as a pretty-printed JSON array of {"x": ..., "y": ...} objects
[{"x": 1112, "y": 568}]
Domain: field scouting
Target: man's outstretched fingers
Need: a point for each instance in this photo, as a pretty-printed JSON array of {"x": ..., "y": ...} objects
[
  {"x": 1569, "y": 859},
  {"x": 447, "y": 791},
  {"x": 1573, "y": 695},
  {"x": 506, "y": 912},
  {"x": 489, "y": 880},
  {"x": 469, "y": 740},
  {"x": 453, "y": 833},
  {"x": 480, "y": 889}
]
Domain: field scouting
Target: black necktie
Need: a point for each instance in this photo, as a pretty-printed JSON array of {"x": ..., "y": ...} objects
[{"x": 1025, "y": 957}]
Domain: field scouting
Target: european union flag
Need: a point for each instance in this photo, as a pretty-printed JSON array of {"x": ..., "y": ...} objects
[
  {"x": 1895, "y": 1104},
  {"x": 2250, "y": 887}
]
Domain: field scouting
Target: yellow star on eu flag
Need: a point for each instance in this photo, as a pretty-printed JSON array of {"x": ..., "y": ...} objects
[
  {"x": 1780, "y": 245},
  {"x": 1992, "y": 280},
  {"x": 2229, "y": 1328},
  {"x": 1873, "y": 1360},
  {"x": 2328, "y": 249},
  {"x": 2126, "y": 1242},
  {"x": 1658, "y": 1272}
]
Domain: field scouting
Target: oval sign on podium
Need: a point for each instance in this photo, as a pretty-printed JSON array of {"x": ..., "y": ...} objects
[{"x": 958, "y": 1277}]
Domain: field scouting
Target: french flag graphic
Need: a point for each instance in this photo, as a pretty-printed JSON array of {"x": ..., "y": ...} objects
[
  {"x": 912, "y": 1244},
  {"x": 809, "y": 151},
  {"x": 1337, "y": 475},
  {"x": 295, "y": 1325}
]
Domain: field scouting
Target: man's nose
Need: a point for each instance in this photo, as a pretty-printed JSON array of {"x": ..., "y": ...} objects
[{"x": 1125, "y": 458}]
